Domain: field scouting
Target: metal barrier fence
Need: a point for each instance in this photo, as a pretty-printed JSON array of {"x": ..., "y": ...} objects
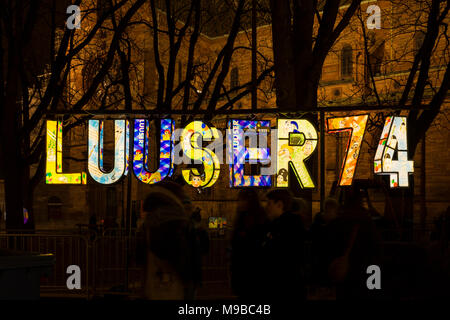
[
  {"x": 108, "y": 263},
  {"x": 115, "y": 269},
  {"x": 216, "y": 267},
  {"x": 109, "y": 266}
]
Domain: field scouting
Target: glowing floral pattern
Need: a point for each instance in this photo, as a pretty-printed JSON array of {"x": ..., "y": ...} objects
[
  {"x": 356, "y": 126},
  {"x": 297, "y": 140},
  {"x": 241, "y": 154},
  {"x": 54, "y": 169},
  {"x": 95, "y": 151},
  {"x": 205, "y": 156},
  {"x": 141, "y": 151},
  {"x": 393, "y": 138}
]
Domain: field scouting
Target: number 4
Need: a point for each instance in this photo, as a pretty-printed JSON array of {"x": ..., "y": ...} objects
[{"x": 393, "y": 138}]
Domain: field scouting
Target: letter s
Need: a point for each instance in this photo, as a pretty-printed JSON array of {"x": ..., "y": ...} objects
[{"x": 193, "y": 149}]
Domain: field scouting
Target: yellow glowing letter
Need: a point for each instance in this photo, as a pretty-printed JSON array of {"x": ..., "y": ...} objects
[
  {"x": 54, "y": 173},
  {"x": 356, "y": 125},
  {"x": 297, "y": 140},
  {"x": 205, "y": 156}
]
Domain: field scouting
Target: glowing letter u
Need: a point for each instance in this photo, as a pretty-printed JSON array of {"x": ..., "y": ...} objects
[
  {"x": 95, "y": 152},
  {"x": 141, "y": 152}
]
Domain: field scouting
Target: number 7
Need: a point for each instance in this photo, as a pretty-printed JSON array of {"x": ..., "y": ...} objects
[{"x": 356, "y": 125}]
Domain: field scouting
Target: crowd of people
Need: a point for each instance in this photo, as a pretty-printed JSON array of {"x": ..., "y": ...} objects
[{"x": 267, "y": 246}]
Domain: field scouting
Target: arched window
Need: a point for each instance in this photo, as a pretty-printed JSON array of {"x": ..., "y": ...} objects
[
  {"x": 418, "y": 40},
  {"x": 102, "y": 8},
  {"x": 180, "y": 72},
  {"x": 149, "y": 71},
  {"x": 375, "y": 56},
  {"x": 234, "y": 78},
  {"x": 346, "y": 62}
]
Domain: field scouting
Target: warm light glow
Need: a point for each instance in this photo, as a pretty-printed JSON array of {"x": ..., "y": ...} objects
[
  {"x": 127, "y": 148},
  {"x": 356, "y": 126},
  {"x": 241, "y": 154},
  {"x": 26, "y": 216},
  {"x": 54, "y": 169},
  {"x": 196, "y": 152},
  {"x": 393, "y": 138},
  {"x": 95, "y": 151},
  {"x": 297, "y": 140},
  {"x": 142, "y": 153}
]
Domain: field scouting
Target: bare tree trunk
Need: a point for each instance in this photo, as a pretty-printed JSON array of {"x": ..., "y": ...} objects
[
  {"x": 423, "y": 198},
  {"x": 283, "y": 55},
  {"x": 254, "y": 49},
  {"x": 11, "y": 147}
]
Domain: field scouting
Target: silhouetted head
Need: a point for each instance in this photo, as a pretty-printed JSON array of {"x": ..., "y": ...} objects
[
  {"x": 278, "y": 201},
  {"x": 330, "y": 209},
  {"x": 248, "y": 199},
  {"x": 249, "y": 210}
]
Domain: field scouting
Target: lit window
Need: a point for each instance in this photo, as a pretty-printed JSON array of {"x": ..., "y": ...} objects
[
  {"x": 234, "y": 78},
  {"x": 103, "y": 6},
  {"x": 376, "y": 54},
  {"x": 346, "y": 61},
  {"x": 418, "y": 40},
  {"x": 180, "y": 72},
  {"x": 149, "y": 71}
]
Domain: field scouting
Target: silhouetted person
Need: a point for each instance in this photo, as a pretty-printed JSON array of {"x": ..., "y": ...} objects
[
  {"x": 283, "y": 249},
  {"x": 134, "y": 218},
  {"x": 300, "y": 207},
  {"x": 198, "y": 240},
  {"x": 248, "y": 235},
  {"x": 353, "y": 245},
  {"x": 93, "y": 226},
  {"x": 321, "y": 254},
  {"x": 442, "y": 227},
  {"x": 166, "y": 247}
]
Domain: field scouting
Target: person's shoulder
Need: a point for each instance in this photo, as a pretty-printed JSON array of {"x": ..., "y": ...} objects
[
  {"x": 337, "y": 222},
  {"x": 318, "y": 218},
  {"x": 291, "y": 219}
]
